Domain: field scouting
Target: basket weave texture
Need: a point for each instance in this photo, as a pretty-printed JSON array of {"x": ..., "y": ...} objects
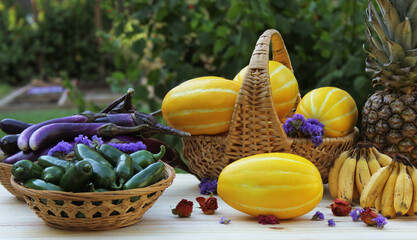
[
  {"x": 5, "y": 174},
  {"x": 255, "y": 127},
  {"x": 95, "y": 210}
]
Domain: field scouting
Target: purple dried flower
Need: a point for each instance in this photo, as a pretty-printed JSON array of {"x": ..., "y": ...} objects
[
  {"x": 318, "y": 216},
  {"x": 224, "y": 220},
  {"x": 298, "y": 117},
  {"x": 331, "y": 223},
  {"x": 292, "y": 125},
  {"x": 61, "y": 149},
  {"x": 208, "y": 186},
  {"x": 82, "y": 139},
  {"x": 99, "y": 140},
  {"x": 355, "y": 214},
  {"x": 129, "y": 147},
  {"x": 380, "y": 221}
]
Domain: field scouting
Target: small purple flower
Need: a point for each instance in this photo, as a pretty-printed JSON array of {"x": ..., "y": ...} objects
[
  {"x": 129, "y": 147},
  {"x": 318, "y": 216},
  {"x": 380, "y": 221},
  {"x": 61, "y": 149},
  {"x": 208, "y": 186},
  {"x": 292, "y": 125},
  {"x": 331, "y": 223},
  {"x": 99, "y": 140},
  {"x": 224, "y": 220},
  {"x": 82, "y": 139},
  {"x": 355, "y": 214}
]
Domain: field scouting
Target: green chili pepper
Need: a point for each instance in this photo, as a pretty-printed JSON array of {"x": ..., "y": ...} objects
[
  {"x": 103, "y": 176},
  {"x": 40, "y": 184},
  {"x": 49, "y": 161},
  {"x": 52, "y": 174},
  {"x": 110, "y": 153},
  {"x": 124, "y": 169},
  {"x": 24, "y": 170},
  {"x": 83, "y": 151},
  {"x": 77, "y": 176},
  {"x": 148, "y": 176},
  {"x": 143, "y": 157}
]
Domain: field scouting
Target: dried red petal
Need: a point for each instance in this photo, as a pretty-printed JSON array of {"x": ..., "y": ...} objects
[
  {"x": 208, "y": 205},
  {"x": 184, "y": 208},
  {"x": 270, "y": 219},
  {"x": 341, "y": 207},
  {"x": 368, "y": 216}
]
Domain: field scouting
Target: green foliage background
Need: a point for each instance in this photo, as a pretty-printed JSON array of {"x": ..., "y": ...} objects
[{"x": 153, "y": 45}]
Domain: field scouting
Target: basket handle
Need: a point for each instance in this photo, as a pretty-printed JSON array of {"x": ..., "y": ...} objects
[{"x": 255, "y": 127}]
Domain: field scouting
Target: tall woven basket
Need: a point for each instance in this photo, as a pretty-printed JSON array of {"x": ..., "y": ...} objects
[
  {"x": 255, "y": 127},
  {"x": 94, "y": 210},
  {"x": 5, "y": 174}
]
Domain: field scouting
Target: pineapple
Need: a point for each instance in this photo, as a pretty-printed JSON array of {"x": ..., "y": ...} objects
[{"x": 389, "y": 115}]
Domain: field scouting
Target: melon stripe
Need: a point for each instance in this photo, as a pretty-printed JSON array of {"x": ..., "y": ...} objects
[
  {"x": 285, "y": 103},
  {"x": 286, "y": 85},
  {"x": 199, "y": 91},
  {"x": 276, "y": 187},
  {"x": 339, "y": 117},
  {"x": 304, "y": 112},
  {"x": 281, "y": 67},
  {"x": 325, "y": 100},
  {"x": 312, "y": 105},
  {"x": 335, "y": 105},
  {"x": 275, "y": 209},
  {"x": 204, "y": 126},
  {"x": 202, "y": 110},
  {"x": 258, "y": 159}
]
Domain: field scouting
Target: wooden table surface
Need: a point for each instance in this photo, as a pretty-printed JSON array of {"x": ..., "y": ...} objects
[{"x": 18, "y": 221}]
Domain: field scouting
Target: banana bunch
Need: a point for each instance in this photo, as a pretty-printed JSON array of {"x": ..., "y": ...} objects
[
  {"x": 353, "y": 169},
  {"x": 392, "y": 190}
]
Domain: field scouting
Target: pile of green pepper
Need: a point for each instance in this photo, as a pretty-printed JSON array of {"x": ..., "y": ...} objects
[{"x": 106, "y": 169}]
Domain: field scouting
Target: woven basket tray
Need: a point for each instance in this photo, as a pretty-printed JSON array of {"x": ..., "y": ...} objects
[
  {"x": 101, "y": 210},
  {"x": 255, "y": 127},
  {"x": 5, "y": 174}
]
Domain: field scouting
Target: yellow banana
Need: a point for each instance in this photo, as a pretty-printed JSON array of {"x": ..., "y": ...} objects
[
  {"x": 373, "y": 163},
  {"x": 378, "y": 203},
  {"x": 356, "y": 195},
  {"x": 410, "y": 212},
  {"x": 347, "y": 179},
  {"x": 362, "y": 174},
  {"x": 412, "y": 171},
  {"x": 383, "y": 159},
  {"x": 375, "y": 186},
  {"x": 403, "y": 191},
  {"x": 387, "y": 196},
  {"x": 333, "y": 178}
]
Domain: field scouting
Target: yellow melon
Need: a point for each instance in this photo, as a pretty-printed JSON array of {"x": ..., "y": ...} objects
[
  {"x": 284, "y": 87},
  {"x": 333, "y": 107},
  {"x": 280, "y": 184},
  {"x": 201, "y": 105}
]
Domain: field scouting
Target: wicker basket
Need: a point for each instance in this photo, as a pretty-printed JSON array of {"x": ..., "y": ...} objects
[
  {"x": 5, "y": 174},
  {"x": 94, "y": 211},
  {"x": 255, "y": 127}
]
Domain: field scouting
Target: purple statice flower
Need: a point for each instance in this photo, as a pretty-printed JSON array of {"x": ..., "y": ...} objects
[
  {"x": 99, "y": 140},
  {"x": 61, "y": 149},
  {"x": 355, "y": 214},
  {"x": 331, "y": 223},
  {"x": 129, "y": 147},
  {"x": 224, "y": 220},
  {"x": 380, "y": 221},
  {"x": 318, "y": 216},
  {"x": 208, "y": 186},
  {"x": 82, "y": 139},
  {"x": 313, "y": 129},
  {"x": 292, "y": 125}
]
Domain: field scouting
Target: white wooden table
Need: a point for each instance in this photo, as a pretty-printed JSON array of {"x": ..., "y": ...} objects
[{"x": 18, "y": 221}]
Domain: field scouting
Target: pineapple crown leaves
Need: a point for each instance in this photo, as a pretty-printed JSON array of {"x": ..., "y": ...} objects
[{"x": 392, "y": 54}]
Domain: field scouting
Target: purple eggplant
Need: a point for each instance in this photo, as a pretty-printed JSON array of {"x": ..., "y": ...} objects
[
  {"x": 55, "y": 132},
  {"x": 23, "y": 141},
  {"x": 120, "y": 119},
  {"x": 8, "y": 144},
  {"x": 13, "y": 126},
  {"x": 28, "y": 155}
]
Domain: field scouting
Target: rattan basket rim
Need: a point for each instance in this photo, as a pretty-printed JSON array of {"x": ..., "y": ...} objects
[
  {"x": 96, "y": 196},
  {"x": 352, "y": 134}
]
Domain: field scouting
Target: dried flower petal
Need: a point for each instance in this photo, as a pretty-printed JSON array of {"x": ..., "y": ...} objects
[
  {"x": 380, "y": 221},
  {"x": 83, "y": 139},
  {"x": 270, "y": 219},
  {"x": 129, "y": 147},
  {"x": 208, "y": 205},
  {"x": 208, "y": 186},
  {"x": 341, "y": 207},
  {"x": 61, "y": 149},
  {"x": 355, "y": 214},
  {"x": 224, "y": 220},
  {"x": 331, "y": 223},
  {"x": 368, "y": 216},
  {"x": 318, "y": 216},
  {"x": 183, "y": 209}
]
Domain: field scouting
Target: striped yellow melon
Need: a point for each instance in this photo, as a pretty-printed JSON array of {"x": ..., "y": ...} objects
[
  {"x": 333, "y": 107},
  {"x": 280, "y": 184},
  {"x": 284, "y": 87},
  {"x": 201, "y": 105}
]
